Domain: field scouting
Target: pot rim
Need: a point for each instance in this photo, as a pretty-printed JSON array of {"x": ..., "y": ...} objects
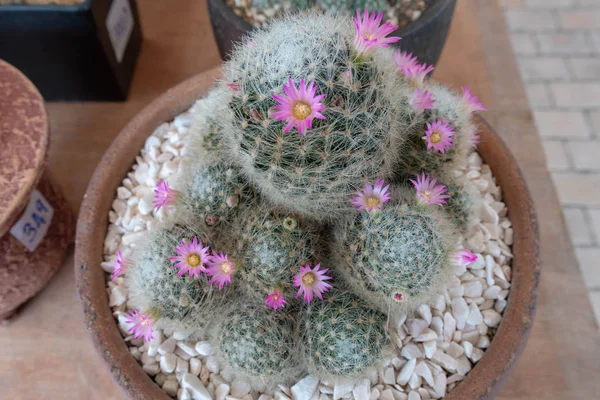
[
  {"x": 431, "y": 13},
  {"x": 484, "y": 381}
]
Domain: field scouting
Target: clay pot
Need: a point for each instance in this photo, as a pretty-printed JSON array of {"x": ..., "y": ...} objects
[
  {"x": 26, "y": 265},
  {"x": 424, "y": 38},
  {"x": 483, "y": 382}
]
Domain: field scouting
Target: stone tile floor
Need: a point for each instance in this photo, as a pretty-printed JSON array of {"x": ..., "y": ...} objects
[{"x": 557, "y": 46}]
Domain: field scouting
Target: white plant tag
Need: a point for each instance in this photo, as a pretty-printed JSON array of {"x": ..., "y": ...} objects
[
  {"x": 33, "y": 225},
  {"x": 119, "y": 23}
]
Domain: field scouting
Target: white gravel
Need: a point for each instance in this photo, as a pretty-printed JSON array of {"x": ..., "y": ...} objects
[{"x": 438, "y": 345}]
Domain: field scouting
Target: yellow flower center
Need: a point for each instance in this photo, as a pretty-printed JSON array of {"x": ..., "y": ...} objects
[
  {"x": 144, "y": 322},
  {"x": 226, "y": 267},
  {"x": 369, "y": 37},
  {"x": 435, "y": 137},
  {"x": 194, "y": 260},
  {"x": 426, "y": 194},
  {"x": 301, "y": 110},
  {"x": 308, "y": 278},
  {"x": 373, "y": 201},
  {"x": 275, "y": 297}
]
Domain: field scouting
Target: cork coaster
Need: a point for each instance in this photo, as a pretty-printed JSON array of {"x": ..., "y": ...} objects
[{"x": 24, "y": 134}]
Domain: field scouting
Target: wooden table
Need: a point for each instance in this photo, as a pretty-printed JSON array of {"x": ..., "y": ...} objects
[{"x": 46, "y": 353}]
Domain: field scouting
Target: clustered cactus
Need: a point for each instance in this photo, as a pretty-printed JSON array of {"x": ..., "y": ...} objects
[{"x": 308, "y": 208}]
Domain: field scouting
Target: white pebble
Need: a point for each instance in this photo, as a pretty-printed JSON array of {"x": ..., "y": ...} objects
[
  {"x": 305, "y": 388},
  {"x": 445, "y": 361},
  {"x": 414, "y": 396},
  {"x": 204, "y": 349},
  {"x": 475, "y": 317},
  {"x": 425, "y": 312},
  {"x": 424, "y": 372},
  {"x": 182, "y": 365},
  {"x": 118, "y": 296},
  {"x": 411, "y": 351},
  {"x": 449, "y": 326},
  {"x": 168, "y": 362},
  {"x": 468, "y": 346},
  {"x": 221, "y": 391},
  {"x": 145, "y": 206},
  {"x": 406, "y": 372},
  {"x": 168, "y": 346},
  {"x": 362, "y": 390},
  {"x": 389, "y": 376},
  {"x": 463, "y": 365},
  {"x": 492, "y": 292},
  {"x": 342, "y": 388},
  {"x": 188, "y": 348},
  {"x": 491, "y": 318},
  {"x": 387, "y": 395},
  {"x": 439, "y": 303},
  {"x": 429, "y": 348},
  {"x": 426, "y": 336},
  {"x": 508, "y": 236},
  {"x": 460, "y": 310},
  {"x": 195, "y": 387},
  {"x": 240, "y": 388},
  {"x": 170, "y": 387},
  {"x": 183, "y": 394},
  {"x": 195, "y": 366},
  {"x": 416, "y": 326},
  {"x": 151, "y": 369},
  {"x": 440, "y": 384},
  {"x": 500, "y": 305},
  {"x": 473, "y": 289}
]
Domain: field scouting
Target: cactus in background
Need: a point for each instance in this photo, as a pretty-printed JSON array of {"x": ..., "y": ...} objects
[
  {"x": 181, "y": 301},
  {"x": 271, "y": 247},
  {"x": 396, "y": 258},
  {"x": 258, "y": 345},
  {"x": 342, "y": 337},
  {"x": 311, "y": 119}
]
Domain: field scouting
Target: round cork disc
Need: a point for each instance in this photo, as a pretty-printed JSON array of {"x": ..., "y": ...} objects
[{"x": 24, "y": 137}]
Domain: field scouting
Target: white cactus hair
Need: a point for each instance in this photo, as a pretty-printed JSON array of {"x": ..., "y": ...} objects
[
  {"x": 403, "y": 249},
  {"x": 314, "y": 174},
  {"x": 259, "y": 346}
]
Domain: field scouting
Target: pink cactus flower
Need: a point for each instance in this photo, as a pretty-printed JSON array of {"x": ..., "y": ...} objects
[
  {"x": 298, "y": 106},
  {"x": 475, "y": 139},
  {"x": 234, "y": 86},
  {"x": 439, "y": 135},
  {"x": 118, "y": 267},
  {"x": 312, "y": 282},
  {"x": 142, "y": 325},
  {"x": 409, "y": 66},
  {"x": 399, "y": 297},
  {"x": 275, "y": 300},
  {"x": 427, "y": 190},
  {"x": 463, "y": 257},
  {"x": 192, "y": 258},
  {"x": 472, "y": 100},
  {"x": 371, "y": 197},
  {"x": 220, "y": 269},
  {"x": 164, "y": 195},
  {"x": 370, "y": 34},
  {"x": 422, "y": 100}
]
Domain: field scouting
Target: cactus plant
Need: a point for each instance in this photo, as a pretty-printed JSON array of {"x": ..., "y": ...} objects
[
  {"x": 398, "y": 257},
  {"x": 257, "y": 345},
  {"x": 311, "y": 109},
  {"x": 177, "y": 301},
  {"x": 342, "y": 337},
  {"x": 271, "y": 246},
  {"x": 463, "y": 205},
  {"x": 309, "y": 173}
]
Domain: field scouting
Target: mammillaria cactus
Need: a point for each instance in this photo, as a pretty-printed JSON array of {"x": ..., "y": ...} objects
[
  {"x": 342, "y": 336},
  {"x": 271, "y": 246},
  {"x": 310, "y": 169},
  {"x": 312, "y": 112},
  {"x": 167, "y": 280},
  {"x": 398, "y": 257},
  {"x": 258, "y": 345}
]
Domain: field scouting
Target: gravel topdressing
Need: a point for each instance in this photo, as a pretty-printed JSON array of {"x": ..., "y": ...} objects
[{"x": 437, "y": 346}]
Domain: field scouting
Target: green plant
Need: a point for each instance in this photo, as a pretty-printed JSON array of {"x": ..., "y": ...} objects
[{"x": 342, "y": 337}]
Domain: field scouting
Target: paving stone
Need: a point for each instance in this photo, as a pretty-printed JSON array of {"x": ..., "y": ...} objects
[
  {"x": 585, "y": 154},
  {"x": 520, "y": 19},
  {"x": 584, "y": 95},
  {"x": 578, "y": 226},
  {"x": 539, "y": 95},
  {"x": 561, "y": 124},
  {"x": 523, "y": 43},
  {"x": 577, "y": 189},
  {"x": 595, "y": 299},
  {"x": 580, "y": 19},
  {"x": 589, "y": 266},
  {"x": 585, "y": 68},
  {"x": 564, "y": 43},
  {"x": 556, "y": 156},
  {"x": 543, "y": 68}
]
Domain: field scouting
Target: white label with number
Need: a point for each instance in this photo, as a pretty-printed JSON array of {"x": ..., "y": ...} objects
[
  {"x": 119, "y": 23},
  {"x": 33, "y": 225}
]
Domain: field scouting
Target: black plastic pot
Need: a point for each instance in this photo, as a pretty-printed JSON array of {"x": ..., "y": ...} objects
[{"x": 425, "y": 37}]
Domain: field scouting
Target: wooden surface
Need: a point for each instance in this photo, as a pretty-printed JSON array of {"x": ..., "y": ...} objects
[{"x": 46, "y": 353}]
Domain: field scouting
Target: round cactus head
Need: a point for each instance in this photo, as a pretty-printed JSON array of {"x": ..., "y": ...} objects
[
  {"x": 258, "y": 345},
  {"x": 179, "y": 296},
  {"x": 310, "y": 117},
  {"x": 342, "y": 337},
  {"x": 271, "y": 247},
  {"x": 463, "y": 207},
  {"x": 398, "y": 257}
]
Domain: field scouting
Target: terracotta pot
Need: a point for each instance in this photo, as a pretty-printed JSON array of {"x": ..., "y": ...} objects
[
  {"x": 424, "y": 38},
  {"x": 483, "y": 382},
  {"x": 31, "y": 206}
]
